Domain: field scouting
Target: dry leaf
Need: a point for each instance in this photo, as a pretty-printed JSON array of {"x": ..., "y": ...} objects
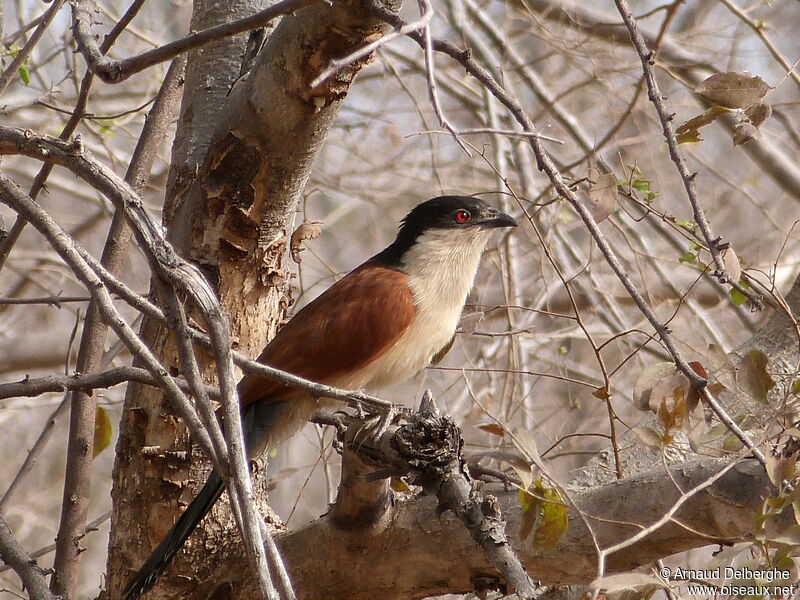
[
  {"x": 758, "y": 113},
  {"x": 732, "y": 265},
  {"x": 646, "y": 380},
  {"x": 753, "y": 376},
  {"x": 688, "y": 131},
  {"x": 603, "y": 196},
  {"x": 733, "y": 90},
  {"x": 310, "y": 230},
  {"x": 493, "y": 428}
]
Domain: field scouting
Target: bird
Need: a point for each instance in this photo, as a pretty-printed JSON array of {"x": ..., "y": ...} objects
[{"x": 378, "y": 325}]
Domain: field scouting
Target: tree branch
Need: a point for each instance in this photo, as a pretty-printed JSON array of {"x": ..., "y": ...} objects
[
  {"x": 83, "y": 407},
  {"x": 363, "y": 564},
  {"x": 31, "y": 574},
  {"x": 117, "y": 71}
]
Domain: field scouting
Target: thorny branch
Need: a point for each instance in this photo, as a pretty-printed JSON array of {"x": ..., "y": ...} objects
[
  {"x": 715, "y": 245},
  {"x": 151, "y": 239}
]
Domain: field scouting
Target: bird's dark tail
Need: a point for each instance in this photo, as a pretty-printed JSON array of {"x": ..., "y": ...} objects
[
  {"x": 161, "y": 557},
  {"x": 258, "y": 421}
]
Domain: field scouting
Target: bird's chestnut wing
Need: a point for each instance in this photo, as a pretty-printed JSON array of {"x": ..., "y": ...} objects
[{"x": 348, "y": 326}]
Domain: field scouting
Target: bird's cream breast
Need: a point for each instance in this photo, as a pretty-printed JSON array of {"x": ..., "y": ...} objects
[{"x": 441, "y": 268}]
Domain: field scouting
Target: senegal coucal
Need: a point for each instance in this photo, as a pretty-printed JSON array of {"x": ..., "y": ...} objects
[{"x": 380, "y": 324}]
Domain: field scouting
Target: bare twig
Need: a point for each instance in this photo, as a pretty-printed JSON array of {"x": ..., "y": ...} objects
[
  {"x": 31, "y": 574},
  {"x": 41, "y": 441},
  {"x": 77, "y": 116},
  {"x": 66, "y": 248},
  {"x": 93, "y": 526},
  {"x": 176, "y": 320},
  {"x": 22, "y": 55},
  {"x": 30, "y": 387},
  {"x": 426, "y": 13},
  {"x": 56, "y": 300},
  {"x": 186, "y": 277},
  {"x": 503, "y": 132},
  {"x": 116, "y": 71}
]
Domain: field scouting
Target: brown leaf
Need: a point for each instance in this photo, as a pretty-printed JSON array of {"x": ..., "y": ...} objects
[
  {"x": 310, "y": 230},
  {"x": 648, "y": 378},
  {"x": 733, "y": 89},
  {"x": 602, "y": 196},
  {"x": 753, "y": 376},
  {"x": 525, "y": 444},
  {"x": 664, "y": 392},
  {"x": 732, "y": 265},
  {"x": 648, "y": 436},
  {"x": 706, "y": 118},
  {"x": 493, "y": 428},
  {"x": 693, "y": 398},
  {"x": 780, "y": 468},
  {"x": 758, "y": 113}
]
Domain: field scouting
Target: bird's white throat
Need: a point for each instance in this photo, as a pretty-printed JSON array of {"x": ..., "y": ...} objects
[{"x": 441, "y": 267}]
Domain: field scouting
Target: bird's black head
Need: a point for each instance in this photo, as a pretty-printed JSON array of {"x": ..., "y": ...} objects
[{"x": 455, "y": 213}]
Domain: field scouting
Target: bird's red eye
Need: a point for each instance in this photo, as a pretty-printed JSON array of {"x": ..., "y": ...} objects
[{"x": 462, "y": 216}]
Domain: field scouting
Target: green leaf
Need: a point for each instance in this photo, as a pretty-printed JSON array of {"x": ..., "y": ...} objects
[
  {"x": 689, "y": 137},
  {"x": 737, "y": 297},
  {"x": 689, "y": 257},
  {"x": 24, "y": 73},
  {"x": 554, "y": 518},
  {"x": 102, "y": 431},
  {"x": 544, "y": 513}
]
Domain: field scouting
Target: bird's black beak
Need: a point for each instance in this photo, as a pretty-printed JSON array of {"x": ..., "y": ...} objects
[{"x": 494, "y": 218}]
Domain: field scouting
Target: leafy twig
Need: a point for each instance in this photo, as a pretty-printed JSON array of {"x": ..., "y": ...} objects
[{"x": 715, "y": 244}]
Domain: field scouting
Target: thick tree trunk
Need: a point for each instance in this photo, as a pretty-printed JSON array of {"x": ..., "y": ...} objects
[{"x": 240, "y": 163}]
